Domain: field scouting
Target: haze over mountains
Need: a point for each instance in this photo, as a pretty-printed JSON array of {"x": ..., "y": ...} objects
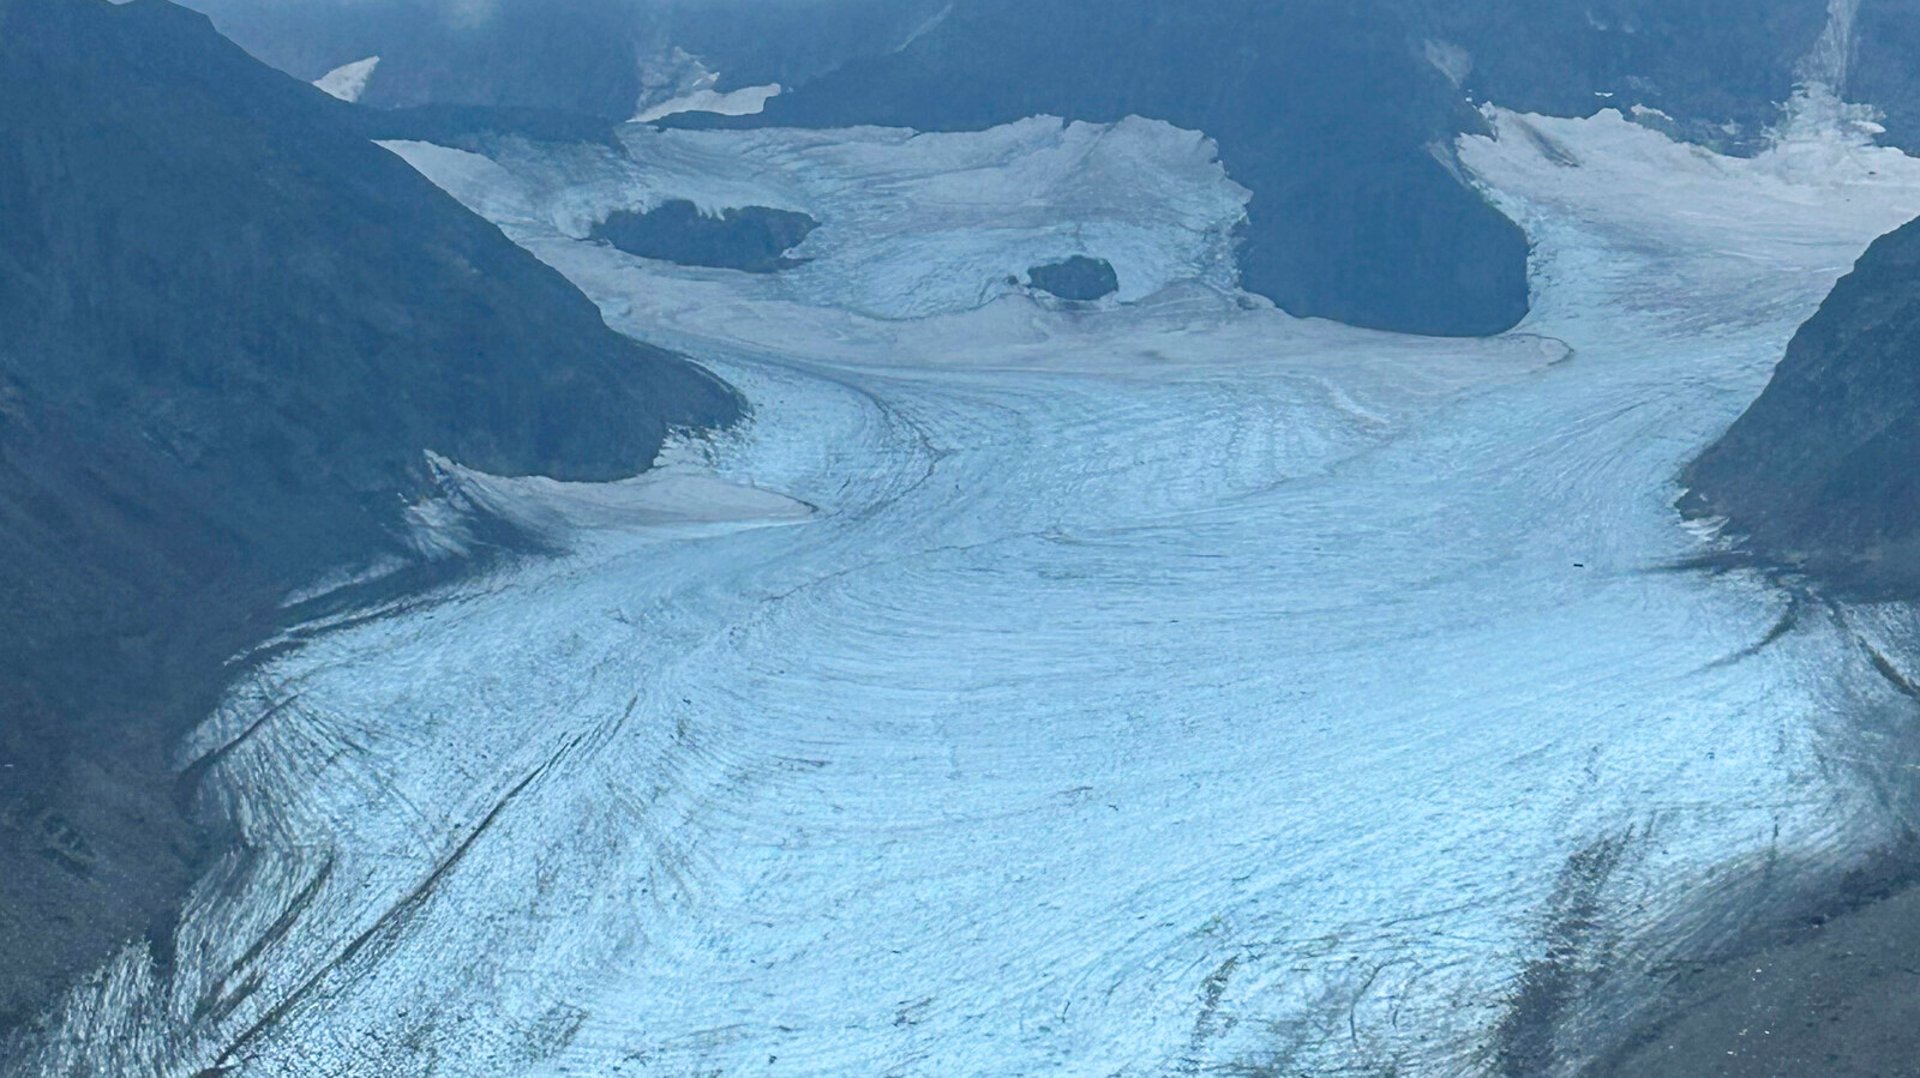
[{"x": 601, "y": 58}]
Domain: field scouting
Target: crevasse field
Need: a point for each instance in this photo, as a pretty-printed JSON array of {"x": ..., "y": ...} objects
[{"x": 1162, "y": 686}]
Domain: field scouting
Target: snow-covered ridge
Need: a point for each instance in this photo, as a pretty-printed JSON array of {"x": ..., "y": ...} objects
[{"x": 1156, "y": 689}]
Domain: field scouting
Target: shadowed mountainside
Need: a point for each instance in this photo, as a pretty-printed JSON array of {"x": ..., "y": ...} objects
[{"x": 233, "y": 327}]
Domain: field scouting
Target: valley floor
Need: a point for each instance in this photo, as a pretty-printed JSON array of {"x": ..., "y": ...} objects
[{"x": 1166, "y": 686}]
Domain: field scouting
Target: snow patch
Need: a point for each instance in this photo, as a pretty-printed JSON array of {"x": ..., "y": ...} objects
[
  {"x": 342, "y": 579},
  {"x": 746, "y": 101},
  {"x": 676, "y": 81},
  {"x": 933, "y": 22},
  {"x": 348, "y": 81}
]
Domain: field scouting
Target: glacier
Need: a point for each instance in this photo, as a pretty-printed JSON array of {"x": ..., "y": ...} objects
[{"x": 1164, "y": 686}]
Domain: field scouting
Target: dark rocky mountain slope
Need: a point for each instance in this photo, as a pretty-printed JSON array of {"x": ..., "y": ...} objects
[
  {"x": 230, "y": 327},
  {"x": 1823, "y": 471}
]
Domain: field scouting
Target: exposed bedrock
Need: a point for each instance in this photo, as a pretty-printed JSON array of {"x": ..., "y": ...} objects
[
  {"x": 1823, "y": 471},
  {"x": 755, "y": 239},
  {"x": 1079, "y": 278}
]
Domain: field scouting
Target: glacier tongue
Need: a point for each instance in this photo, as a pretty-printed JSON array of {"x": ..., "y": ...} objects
[{"x": 1156, "y": 688}]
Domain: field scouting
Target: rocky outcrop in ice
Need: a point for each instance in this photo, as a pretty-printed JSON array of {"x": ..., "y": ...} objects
[
  {"x": 1079, "y": 279},
  {"x": 754, "y": 239}
]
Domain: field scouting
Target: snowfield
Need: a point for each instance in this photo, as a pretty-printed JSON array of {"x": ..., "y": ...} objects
[{"x": 1164, "y": 686}]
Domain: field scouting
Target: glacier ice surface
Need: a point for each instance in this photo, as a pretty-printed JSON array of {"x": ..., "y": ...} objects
[{"x": 1141, "y": 690}]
